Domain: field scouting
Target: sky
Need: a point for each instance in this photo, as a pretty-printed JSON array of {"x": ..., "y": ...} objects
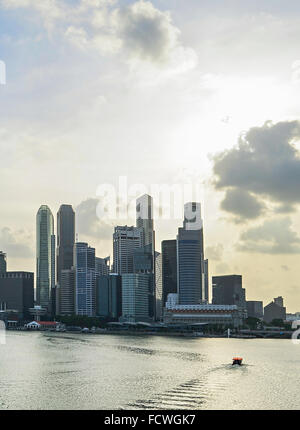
[{"x": 160, "y": 92}]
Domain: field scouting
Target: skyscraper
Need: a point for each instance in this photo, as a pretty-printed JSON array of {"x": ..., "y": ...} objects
[
  {"x": 85, "y": 280},
  {"x": 158, "y": 286},
  {"x": 66, "y": 292},
  {"x": 45, "y": 257},
  {"x": 3, "y": 266},
  {"x": 190, "y": 257},
  {"x": 228, "y": 290},
  {"x": 65, "y": 239},
  {"x": 169, "y": 269},
  {"x": 144, "y": 221},
  {"x": 102, "y": 266},
  {"x": 135, "y": 292},
  {"x": 125, "y": 241},
  {"x": 144, "y": 218}
]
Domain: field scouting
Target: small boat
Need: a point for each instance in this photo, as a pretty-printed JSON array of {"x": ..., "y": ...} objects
[{"x": 237, "y": 360}]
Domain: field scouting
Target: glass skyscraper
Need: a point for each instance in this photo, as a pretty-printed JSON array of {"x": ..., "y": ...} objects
[
  {"x": 169, "y": 269},
  {"x": 45, "y": 257},
  {"x": 85, "y": 279},
  {"x": 65, "y": 239},
  {"x": 190, "y": 257}
]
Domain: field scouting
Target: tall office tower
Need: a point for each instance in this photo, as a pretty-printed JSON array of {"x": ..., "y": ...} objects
[
  {"x": 109, "y": 296},
  {"x": 158, "y": 286},
  {"x": 3, "y": 266},
  {"x": 206, "y": 281},
  {"x": 135, "y": 293},
  {"x": 190, "y": 257},
  {"x": 102, "y": 266},
  {"x": 85, "y": 280},
  {"x": 144, "y": 263},
  {"x": 228, "y": 290},
  {"x": 45, "y": 257},
  {"x": 125, "y": 241},
  {"x": 66, "y": 291},
  {"x": 65, "y": 239},
  {"x": 169, "y": 269},
  {"x": 144, "y": 218},
  {"x": 17, "y": 292}
]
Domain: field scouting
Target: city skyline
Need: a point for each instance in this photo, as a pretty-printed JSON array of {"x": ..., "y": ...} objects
[
  {"x": 87, "y": 99},
  {"x": 81, "y": 275}
]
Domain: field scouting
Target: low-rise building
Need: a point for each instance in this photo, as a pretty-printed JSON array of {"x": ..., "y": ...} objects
[{"x": 224, "y": 315}]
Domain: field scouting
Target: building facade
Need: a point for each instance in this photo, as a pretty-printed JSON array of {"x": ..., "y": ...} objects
[
  {"x": 66, "y": 291},
  {"x": 109, "y": 296},
  {"x": 85, "y": 280},
  {"x": 255, "y": 309},
  {"x": 135, "y": 297},
  {"x": 125, "y": 241},
  {"x": 190, "y": 257},
  {"x": 169, "y": 269},
  {"x": 274, "y": 311},
  {"x": 3, "y": 265},
  {"x": 158, "y": 286},
  {"x": 65, "y": 239},
  {"x": 17, "y": 292},
  {"x": 221, "y": 315},
  {"x": 45, "y": 257},
  {"x": 228, "y": 290}
]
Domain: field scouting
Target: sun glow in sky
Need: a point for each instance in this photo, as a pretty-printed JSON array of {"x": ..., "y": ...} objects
[{"x": 156, "y": 91}]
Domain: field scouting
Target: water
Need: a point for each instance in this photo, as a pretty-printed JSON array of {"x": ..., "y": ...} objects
[{"x": 76, "y": 371}]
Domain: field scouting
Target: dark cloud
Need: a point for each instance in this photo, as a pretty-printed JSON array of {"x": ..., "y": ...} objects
[
  {"x": 264, "y": 165},
  {"x": 242, "y": 204},
  {"x": 274, "y": 236},
  {"x": 88, "y": 223},
  {"x": 15, "y": 244},
  {"x": 146, "y": 32},
  {"x": 214, "y": 252}
]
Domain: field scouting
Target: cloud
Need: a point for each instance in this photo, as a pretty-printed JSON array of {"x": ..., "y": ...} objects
[
  {"x": 214, "y": 252},
  {"x": 274, "y": 236},
  {"x": 242, "y": 204},
  {"x": 265, "y": 164},
  {"x": 138, "y": 32},
  {"x": 222, "y": 269},
  {"x": 88, "y": 224},
  {"x": 16, "y": 244}
]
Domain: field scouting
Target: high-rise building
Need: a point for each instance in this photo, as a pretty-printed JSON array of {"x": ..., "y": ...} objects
[
  {"x": 65, "y": 239},
  {"x": 190, "y": 257},
  {"x": 85, "y": 280},
  {"x": 169, "y": 269},
  {"x": 206, "y": 281},
  {"x": 228, "y": 290},
  {"x": 17, "y": 292},
  {"x": 3, "y": 266},
  {"x": 45, "y": 257},
  {"x": 66, "y": 291},
  {"x": 158, "y": 286},
  {"x": 109, "y": 296},
  {"x": 144, "y": 218},
  {"x": 102, "y": 266},
  {"x": 135, "y": 293},
  {"x": 144, "y": 221},
  {"x": 125, "y": 241}
]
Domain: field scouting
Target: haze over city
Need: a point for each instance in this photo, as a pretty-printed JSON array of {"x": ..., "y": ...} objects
[{"x": 162, "y": 93}]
